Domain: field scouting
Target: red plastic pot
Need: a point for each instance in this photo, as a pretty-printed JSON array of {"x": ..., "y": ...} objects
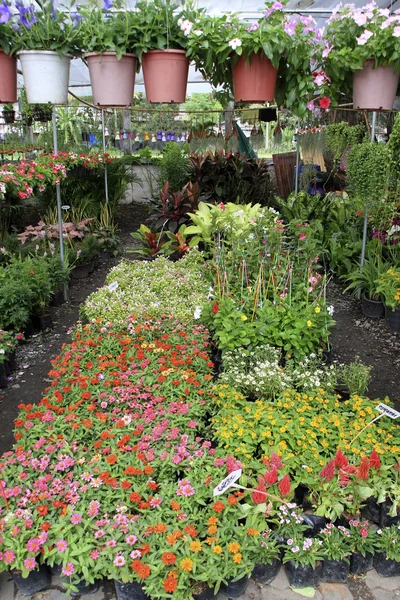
[
  {"x": 8, "y": 78},
  {"x": 375, "y": 89},
  {"x": 254, "y": 80},
  {"x": 165, "y": 74}
]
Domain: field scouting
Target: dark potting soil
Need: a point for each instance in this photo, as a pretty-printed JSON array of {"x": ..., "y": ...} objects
[{"x": 354, "y": 335}]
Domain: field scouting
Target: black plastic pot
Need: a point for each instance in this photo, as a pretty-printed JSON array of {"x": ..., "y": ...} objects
[
  {"x": 300, "y": 494},
  {"x": 361, "y": 564},
  {"x": 372, "y": 510},
  {"x": 343, "y": 522},
  {"x": 385, "y": 567},
  {"x": 57, "y": 298},
  {"x": 374, "y": 309},
  {"x": 235, "y": 589},
  {"x": 385, "y": 519},
  {"x": 300, "y": 576},
  {"x": 206, "y": 594},
  {"x": 335, "y": 571},
  {"x": 315, "y": 524},
  {"x": 266, "y": 573},
  {"x": 343, "y": 392},
  {"x": 45, "y": 322},
  {"x": 29, "y": 329},
  {"x": 55, "y": 570},
  {"x": 105, "y": 254},
  {"x": 3, "y": 376},
  {"x": 35, "y": 582},
  {"x": 129, "y": 591},
  {"x": 85, "y": 588},
  {"x": 81, "y": 272},
  {"x": 9, "y": 116},
  {"x": 92, "y": 265},
  {"x": 12, "y": 361},
  {"x": 392, "y": 318}
]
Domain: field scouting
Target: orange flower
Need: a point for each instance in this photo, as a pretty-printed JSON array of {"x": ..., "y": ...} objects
[
  {"x": 190, "y": 530},
  {"x": 135, "y": 497},
  {"x": 218, "y": 506},
  {"x": 251, "y": 531},
  {"x": 232, "y": 500},
  {"x": 160, "y": 528},
  {"x": 233, "y": 547},
  {"x": 175, "y": 505},
  {"x": 144, "y": 549},
  {"x": 171, "y": 539},
  {"x": 126, "y": 484},
  {"x": 212, "y": 521},
  {"x": 170, "y": 585},
  {"x": 148, "y": 470},
  {"x": 142, "y": 571},
  {"x": 42, "y": 510},
  {"x": 212, "y": 529},
  {"x": 112, "y": 459},
  {"x": 217, "y": 550},
  {"x": 237, "y": 559},
  {"x": 186, "y": 565},
  {"x": 85, "y": 395},
  {"x": 211, "y": 540},
  {"x": 195, "y": 546},
  {"x": 168, "y": 558}
]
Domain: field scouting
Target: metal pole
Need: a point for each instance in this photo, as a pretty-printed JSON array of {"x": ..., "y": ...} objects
[
  {"x": 296, "y": 183},
  {"x": 59, "y": 210},
  {"x": 104, "y": 151},
  {"x": 364, "y": 240}
]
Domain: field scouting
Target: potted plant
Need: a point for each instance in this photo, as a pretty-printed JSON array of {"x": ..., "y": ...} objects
[
  {"x": 109, "y": 39},
  {"x": 268, "y": 560},
  {"x": 389, "y": 287},
  {"x": 8, "y": 62},
  {"x": 362, "y": 53},
  {"x": 162, "y": 30},
  {"x": 362, "y": 545},
  {"x": 47, "y": 39},
  {"x": 335, "y": 548},
  {"x": 8, "y": 114},
  {"x": 365, "y": 280},
  {"x": 386, "y": 559},
  {"x": 302, "y": 558}
]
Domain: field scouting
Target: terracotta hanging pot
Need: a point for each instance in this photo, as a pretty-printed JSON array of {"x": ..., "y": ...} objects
[
  {"x": 8, "y": 78},
  {"x": 112, "y": 79},
  {"x": 375, "y": 89},
  {"x": 254, "y": 80},
  {"x": 165, "y": 74}
]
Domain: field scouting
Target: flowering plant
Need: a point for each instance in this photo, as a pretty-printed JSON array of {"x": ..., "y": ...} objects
[
  {"x": 8, "y": 27},
  {"x": 362, "y": 537},
  {"x": 389, "y": 287},
  {"x": 335, "y": 542},
  {"x": 355, "y": 35},
  {"x": 303, "y": 551},
  {"x": 8, "y": 342},
  {"x": 388, "y": 541}
]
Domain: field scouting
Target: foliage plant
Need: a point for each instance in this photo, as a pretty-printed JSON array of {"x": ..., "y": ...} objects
[
  {"x": 8, "y": 343},
  {"x": 368, "y": 170},
  {"x": 174, "y": 166},
  {"x": 388, "y": 541},
  {"x": 366, "y": 280},
  {"x": 305, "y": 552},
  {"x": 356, "y": 376},
  {"x": 340, "y": 137},
  {"x": 389, "y": 287},
  {"x": 335, "y": 543},
  {"x": 363, "y": 537},
  {"x": 356, "y": 35}
]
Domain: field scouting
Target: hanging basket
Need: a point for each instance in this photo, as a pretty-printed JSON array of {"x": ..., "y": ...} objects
[
  {"x": 375, "y": 89},
  {"x": 46, "y": 76},
  {"x": 112, "y": 80},
  {"x": 254, "y": 80},
  {"x": 165, "y": 74},
  {"x": 8, "y": 78}
]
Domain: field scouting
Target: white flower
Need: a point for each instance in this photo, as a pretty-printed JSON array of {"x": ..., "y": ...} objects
[
  {"x": 364, "y": 37},
  {"x": 197, "y": 32},
  {"x": 396, "y": 31},
  {"x": 197, "y": 313},
  {"x": 330, "y": 310},
  {"x": 360, "y": 18},
  {"x": 235, "y": 43}
]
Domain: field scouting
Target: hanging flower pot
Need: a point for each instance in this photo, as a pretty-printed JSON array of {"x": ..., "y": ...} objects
[
  {"x": 375, "y": 89},
  {"x": 46, "y": 76},
  {"x": 112, "y": 79},
  {"x": 165, "y": 74},
  {"x": 8, "y": 78},
  {"x": 254, "y": 80},
  {"x": 8, "y": 116}
]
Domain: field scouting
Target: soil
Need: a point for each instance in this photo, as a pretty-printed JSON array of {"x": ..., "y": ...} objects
[{"x": 353, "y": 335}]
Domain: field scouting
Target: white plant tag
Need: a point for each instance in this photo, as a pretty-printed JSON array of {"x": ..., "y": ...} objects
[
  {"x": 387, "y": 410},
  {"x": 113, "y": 286},
  {"x": 227, "y": 482}
]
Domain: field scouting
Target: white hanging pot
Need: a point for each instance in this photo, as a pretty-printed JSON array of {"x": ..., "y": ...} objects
[{"x": 46, "y": 76}]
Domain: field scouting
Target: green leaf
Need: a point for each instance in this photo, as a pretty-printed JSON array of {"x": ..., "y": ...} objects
[{"x": 308, "y": 592}]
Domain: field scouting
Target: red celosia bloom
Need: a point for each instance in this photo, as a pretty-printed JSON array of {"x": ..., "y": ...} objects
[
  {"x": 284, "y": 486},
  {"x": 232, "y": 464},
  {"x": 170, "y": 584},
  {"x": 168, "y": 558},
  {"x": 271, "y": 476},
  {"x": 218, "y": 506},
  {"x": 258, "y": 495},
  {"x": 215, "y": 308},
  {"x": 276, "y": 460},
  {"x": 340, "y": 459},
  {"x": 374, "y": 460},
  {"x": 328, "y": 472},
  {"x": 363, "y": 469}
]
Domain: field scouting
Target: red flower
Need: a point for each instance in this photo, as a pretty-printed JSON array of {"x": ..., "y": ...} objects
[
  {"x": 374, "y": 460},
  {"x": 258, "y": 495},
  {"x": 232, "y": 464},
  {"x": 218, "y": 506},
  {"x": 364, "y": 532},
  {"x": 363, "y": 469},
  {"x": 135, "y": 497},
  {"x": 324, "y": 102},
  {"x": 215, "y": 308},
  {"x": 42, "y": 510},
  {"x": 284, "y": 486},
  {"x": 170, "y": 585},
  {"x": 328, "y": 472},
  {"x": 340, "y": 459},
  {"x": 271, "y": 476},
  {"x": 168, "y": 558}
]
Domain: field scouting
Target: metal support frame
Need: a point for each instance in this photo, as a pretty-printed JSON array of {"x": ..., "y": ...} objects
[
  {"x": 104, "y": 151},
  {"x": 59, "y": 209},
  {"x": 364, "y": 239},
  {"x": 296, "y": 182}
]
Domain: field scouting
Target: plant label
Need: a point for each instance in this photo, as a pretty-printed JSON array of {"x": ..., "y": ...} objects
[
  {"x": 387, "y": 410},
  {"x": 113, "y": 286},
  {"x": 227, "y": 482}
]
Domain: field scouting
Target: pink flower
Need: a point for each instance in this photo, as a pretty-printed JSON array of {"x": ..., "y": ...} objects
[
  {"x": 94, "y": 554},
  {"x": 155, "y": 502},
  {"x": 119, "y": 561},
  {"x": 33, "y": 545},
  {"x": 30, "y": 564},
  {"x": 135, "y": 554},
  {"x": 94, "y": 507},
  {"x": 396, "y": 31},
  {"x": 302, "y": 236},
  {"x": 131, "y": 540},
  {"x": 8, "y": 557},
  {"x": 364, "y": 37},
  {"x": 311, "y": 105},
  {"x": 61, "y": 545},
  {"x": 68, "y": 570},
  {"x": 76, "y": 518},
  {"x": 364, "y": 532}
]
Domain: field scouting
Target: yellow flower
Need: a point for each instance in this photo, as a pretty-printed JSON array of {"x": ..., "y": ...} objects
[
  {"x": 237, "y": 559},
  {"x": 243, "y": 317},
  {"x": 186, "y": 565},
  {"x": 195, "y": 546},
  {"x": 233, "y": 547},
  {"x": 317, "y": 309},
  {"x": 217, "y": 550},
  {"x": 309, "y": 323}
]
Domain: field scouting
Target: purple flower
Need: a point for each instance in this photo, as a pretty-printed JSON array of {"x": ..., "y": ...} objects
[
  {"x": 75, "y": 18},
  {"x": 5, "y": 12},
  {"x": 107, "y": 4},
  {"x": 311, "y": 105},
  {"x": 276, "y": 6},
  {"x": 290, "y": 27},
  {"x": 27, "y": 15},
  {"x": 253, "y": 27}
]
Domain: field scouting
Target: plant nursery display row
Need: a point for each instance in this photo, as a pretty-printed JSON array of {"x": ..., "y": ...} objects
[
  {"x": 188, "y": 372},
  {"x": 278, "y": 56}
]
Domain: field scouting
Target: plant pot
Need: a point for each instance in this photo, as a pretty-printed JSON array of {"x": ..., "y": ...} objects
[
  {"x": 392, "y": 318},
  {"x": 35, "y": 582},
  {"x": 29, "y": 329},
  {"x": 386, "y": 567},
  {"x": 112, "y": 80},
  {"x": 45, "y": 322},
  {"x": 56, "y": 570},
  {"x": 300, "y": 576},
  {"x": 9, "y": 116},
  {"x": 385, "y": 519},
  {"x": 43, "y": 116},
  {"x": 234, "y": 589},
  {"x": 315, "y": 524},
  {"x": 85, "y": 588},
  {"x": 106, "y": 254},
  {"x": 12, "y": 361},
  {"x": 129, "y": 591},
  {"x": 92, "y": 265},
  {"x": 3, "y": 376},
  {"x": 207, "y": 593},
  {"x": 165, "y": 74},
  {"x": 343, "y": 391},
  {"x": 374, "y": 89},
  {"x": 335, "y": 571},
  {"x": 46, "y": 76},
  {"x": 254, "y": 80},
  {"x": 80, "y": 272},
  {"x": 265, "y": 573},
  {"x": 57, "y": 298},
  {"x": 374, "y": 309},
  {"x": 361, "y": 564},
  {"x": 8, "y": 78}
]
